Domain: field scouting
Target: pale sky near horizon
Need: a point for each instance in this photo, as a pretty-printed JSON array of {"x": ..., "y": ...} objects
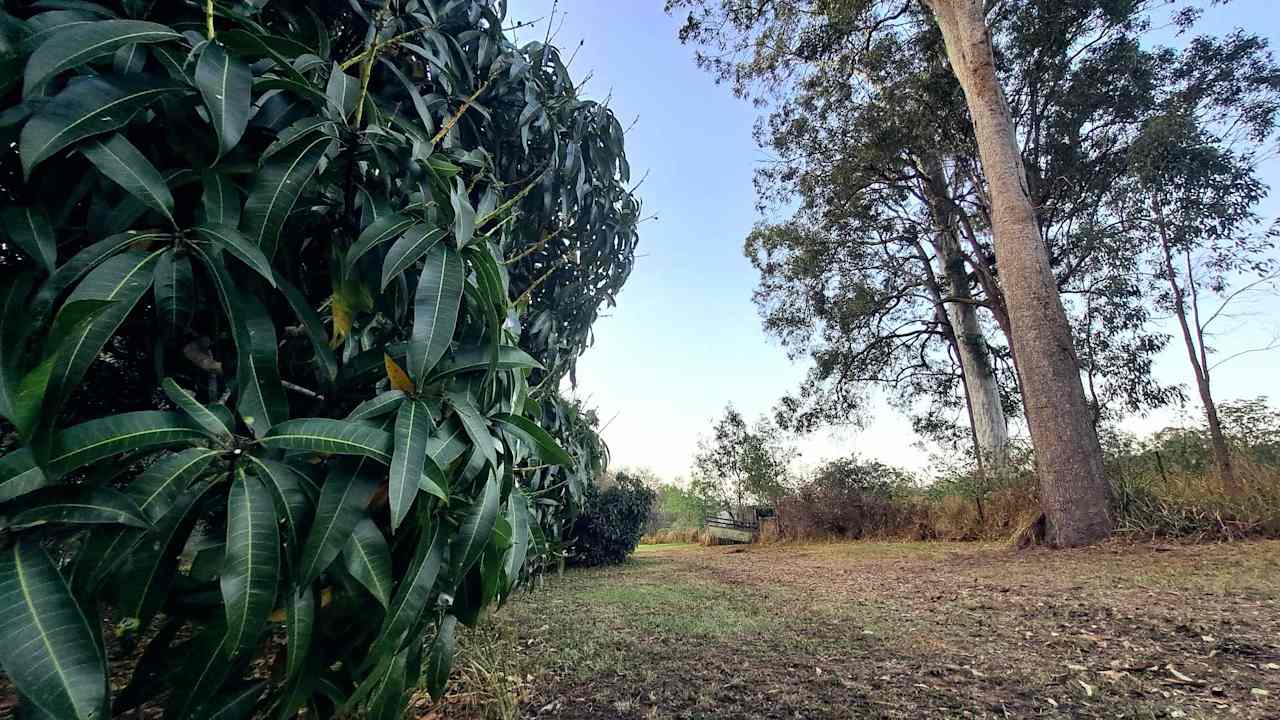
[{"x": 685, "y": 338}]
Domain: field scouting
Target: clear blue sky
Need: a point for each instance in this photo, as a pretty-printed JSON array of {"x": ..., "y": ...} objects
[{"x": 685, "y": 338}]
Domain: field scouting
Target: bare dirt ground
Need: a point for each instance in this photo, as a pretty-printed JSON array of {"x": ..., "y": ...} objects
[{"x": 874, "y": 630}]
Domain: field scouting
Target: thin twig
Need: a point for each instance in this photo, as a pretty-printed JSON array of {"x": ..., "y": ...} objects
[
  {"x": 301, "y": 390},
  {"x": 208, "y": 19},
  {"x": 458, "y": 115}
]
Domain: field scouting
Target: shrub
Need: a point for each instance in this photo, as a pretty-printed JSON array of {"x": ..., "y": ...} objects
[
  {"x": 611, "y": 522},
  {"x": 282, "y": 283}
]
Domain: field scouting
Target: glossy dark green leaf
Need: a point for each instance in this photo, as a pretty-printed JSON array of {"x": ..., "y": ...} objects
[
  {"x": 47, "y": 644},
  {"x": 368, "y": 559},
  {"x": 85, "y": 262},
  {"x": 117, "y": 158},
  {"x": 143, "y": 580},
  {"x": 225, "y": 83},
  {"x": 234, "y": 242},
  {"x": 343, "y": 499},
  {"x": 464, "y": 215},
  {"x": 77, "y": 504},
  {"x": 236, "y": 705},
  {"x": 79, "y": 44},
  {"x": 475, "y": 424},
  {"x": 292, "y": 499},
  {"x": 300, "y": 616},
  {"x": 19, "y": 474},
  {"x": 518, "y": 517},
  {"x": 440, "y": 657},
  {"x": 476, "y": 529},
  {"x": 29, "y": 229},
  {"x": 386, "y": 698},
  {"x": 262, "y": 402},
  {"x": 220, "y": 201},
  {"x": 175, "y": 293},
  {"x": 413, "y": 430},
  {"x": 537, "y": 438},
  {"x": 27, "y": 403},
  {"x": 252, "y": 567},
  {"x": 129, "y": 59},
  {"x": 384, "y": 404},
  {"x": 414, "y": 589},
  {"x": 207, "y": 666},
  {"x": 342, "y": 92},
  {"x": 325, "y": 360},
  {"x": 480, "y": 359},
  {"x": 339, "y": 437},
  {"x": 196, "y": 412},
  {"x": 435, "y": 309},
  {"x": 276, "y": 189},
  {"x": 160, "y": 485},
  {"x": 99, "y": 439},
  {"x": 410, "y": 248},
  {"x": 384, "y": 229}
]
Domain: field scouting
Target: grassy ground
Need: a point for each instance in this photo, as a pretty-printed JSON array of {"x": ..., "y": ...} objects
[{"x": 889, "y": 631}]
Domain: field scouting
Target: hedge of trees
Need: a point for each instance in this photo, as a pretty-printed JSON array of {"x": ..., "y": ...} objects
[{"x": 288, "y": 291}]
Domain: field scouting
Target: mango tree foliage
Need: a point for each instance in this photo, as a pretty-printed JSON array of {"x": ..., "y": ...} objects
[{"x": 288, "y": 288}]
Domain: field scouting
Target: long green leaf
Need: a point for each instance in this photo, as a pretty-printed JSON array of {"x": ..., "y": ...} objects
[
  {"x": 408, "y": 250},
  {"x": 339, "y": 437},
  {"x": 87, "y": 107},
  {"x": 435, "y": 309},
  {"x": 16, "y": 324},
  {"x": 29, "y": 229},
  {"x": 120, "y": 161},
  {"x": 225, "y": 83},
  {"x": 234, "y": 242},
  {"x": 99, "y": 439},
  {"x": 414, "y": 590},
  {"x": 252, "y": 566},
  {"x": 237, "y": 705},
  {"x": 19, "y": 474},
  {"x": 369, "y": 560},
  {"x": 476, "y": 529},
  {"x": 518, "y": 517},
  {"x": 159, "y": 486},
  {"x": 291, "y": 497},
  {"x": 384, "y": 229},
  {"x": 262, "y": 401},
  {"x": 124, "y": 280},
  {"x": 207, "y": 667},
  {"x": 384, "y": 404},
  {"x": 276, "y": 190},
  {"x": 481, "y": 359},
  {"x": 300, "y": 617},
  {"x": 342, "y": 91},
  {"x": 440, "y": 657},
  {"x": 343, "y": 498},
  {"x": 63, "y": 338},
  {"x": 315, "y": 329},
  {"x": 85, "y": 262},
  {"x": 175, "y": 293},
  {"x": 77, "y": 504},
  {"x": 220, "y": 202},
  {"x": 48, "y": 647},
  {"x": 386, "y": 694},
  {"x": 79, "y": 44},
  {"x": 143, "y": 583},
  {"x": 198, "y": 413},
  {"x": 475, "y": 425},
  {"x": 537, "y": 438},
  {"x": 413, "y": 430}
]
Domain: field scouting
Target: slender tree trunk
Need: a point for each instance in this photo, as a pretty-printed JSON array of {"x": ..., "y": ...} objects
[
  {"x": 1073, "y": 490},
  {"x": 989, "y": 423},
  {"x": 982, "y": 392},
  {"x": 1196, "y": 354}
]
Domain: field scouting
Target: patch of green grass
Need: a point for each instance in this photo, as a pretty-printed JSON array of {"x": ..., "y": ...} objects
[{"x": 640, "y": 549}]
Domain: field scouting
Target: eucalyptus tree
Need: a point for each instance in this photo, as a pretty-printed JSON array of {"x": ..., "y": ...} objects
[
  {"x": 1194, "y": 189},
  {"x": 341, "y": 252},
  {"x": 874, "y": 141}
]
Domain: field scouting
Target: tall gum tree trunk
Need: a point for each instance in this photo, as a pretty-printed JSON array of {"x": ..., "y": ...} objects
[
  {"x": 982, "y": 392},
  {"x": 989, "y": 424},
  {"x": 1073, "y": 491}
]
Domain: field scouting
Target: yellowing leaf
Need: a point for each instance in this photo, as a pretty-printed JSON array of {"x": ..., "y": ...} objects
[
  {"x": 398, "y": 377},
  {"x": 341, "y": 320}
]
